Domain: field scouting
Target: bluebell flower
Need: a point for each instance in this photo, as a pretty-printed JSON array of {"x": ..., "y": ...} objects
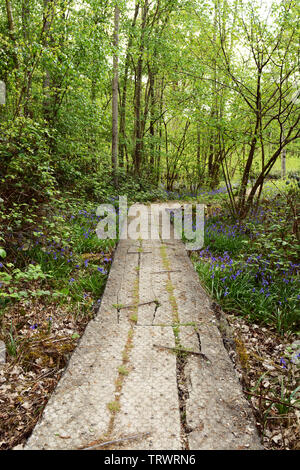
[{"x": 283, "y": 363}]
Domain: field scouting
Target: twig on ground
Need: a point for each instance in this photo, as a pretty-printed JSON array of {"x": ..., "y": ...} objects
[
  {"x": 115, "y": 441},
  {"x": 261, "y": 397},
  {"x": 185, "y": 351}
]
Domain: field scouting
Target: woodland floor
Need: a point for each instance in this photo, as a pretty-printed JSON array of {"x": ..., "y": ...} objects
[{"x": 28, "y": 380}]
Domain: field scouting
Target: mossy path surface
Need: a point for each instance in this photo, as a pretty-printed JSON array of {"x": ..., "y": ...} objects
[{"x": 151, "y": 371}]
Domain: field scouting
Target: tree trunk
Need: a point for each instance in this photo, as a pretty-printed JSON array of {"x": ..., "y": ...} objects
[
  {"x": 11, "y": 28},
  {"x": 25, "y": 19},
  {"x": 10, "y": 19},
  {"x": 114, "y": 153},
  {"x": 47, "y": 79},
  {"x": 161, "y": 104},
  {"x": 137, "y": 155},
  {"x": 152, "y": 117},
  {"x": 283, "y": 160},
  {"x": 122, "y": 143}
]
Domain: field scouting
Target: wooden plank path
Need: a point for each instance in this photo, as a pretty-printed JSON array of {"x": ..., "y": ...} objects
[{"x": 151, "y": 370}]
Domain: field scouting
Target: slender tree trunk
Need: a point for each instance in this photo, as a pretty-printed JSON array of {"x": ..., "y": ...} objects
[
  {"x": 137, "y": 156},
  {"x": 248, "y": 166},
  {"x": 114, "y": 153},
  {"x": 122, "y": 142},
  {"x": 25, "y": 29},
  {"x": 161, "y": 104},
  {"x": 11, "y": 28},
  {"x": 214, "y": 109},
  {"x": 25, "y": 19},
  {"x": 152, "y": 121},
  {"x": 10, "y": 19},
  {"x": 283, "y": 159},
  {"x": 47, "y": 13}
]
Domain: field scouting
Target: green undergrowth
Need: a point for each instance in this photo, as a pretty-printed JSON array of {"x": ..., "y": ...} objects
[
  {"x": 252, "y": 269},
  {"x": 61, "y": 262}
]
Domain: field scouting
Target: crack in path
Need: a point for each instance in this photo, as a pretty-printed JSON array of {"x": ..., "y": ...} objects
[{"x": 181, "y": 378}]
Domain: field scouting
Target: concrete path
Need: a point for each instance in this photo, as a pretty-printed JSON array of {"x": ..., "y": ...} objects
[{"x": 151, "y": 371}]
